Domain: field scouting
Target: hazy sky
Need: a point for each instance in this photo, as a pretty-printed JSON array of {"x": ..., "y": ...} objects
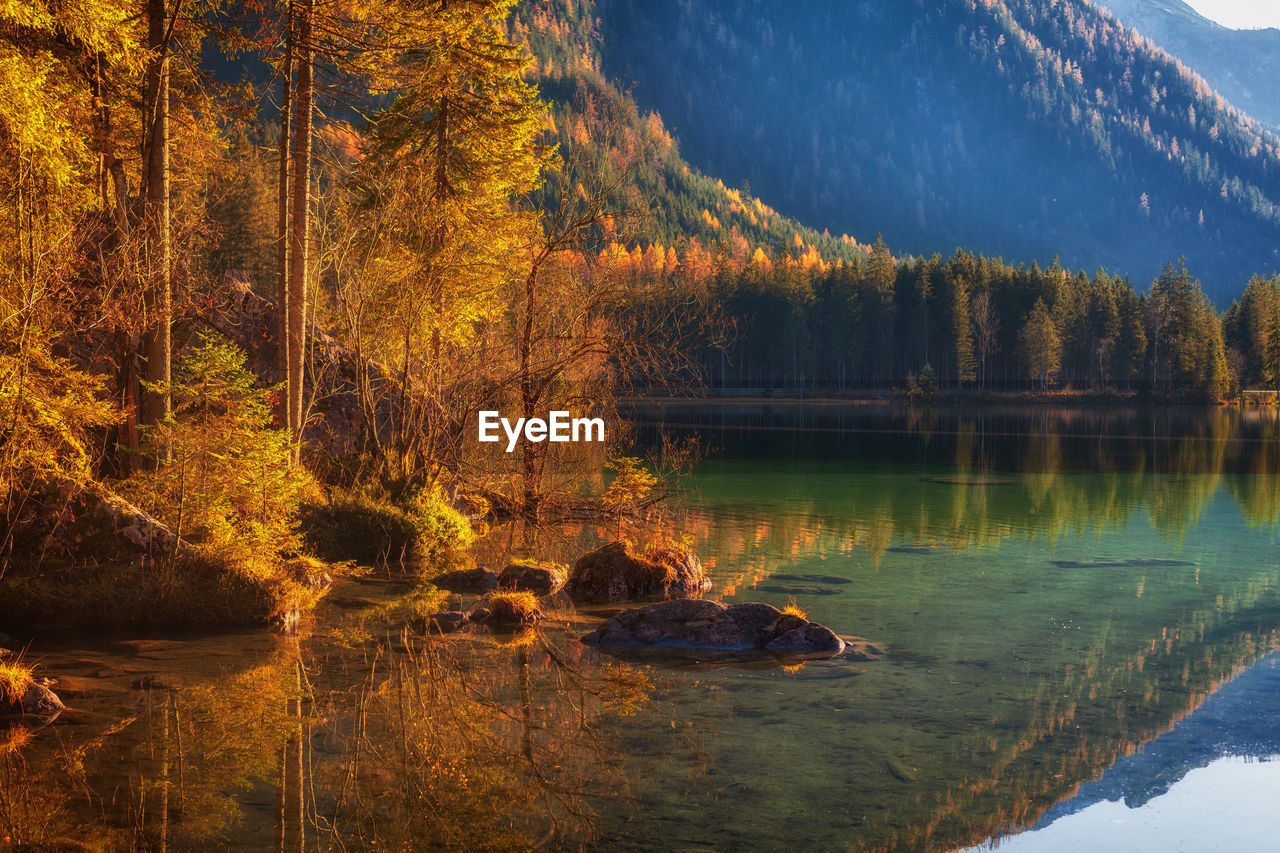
[{"x": 1240, "y": 14}]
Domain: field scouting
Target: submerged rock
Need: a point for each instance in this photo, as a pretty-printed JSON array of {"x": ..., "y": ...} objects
[
  {"x": 536, "y": 577},
  {"x": 615, "y": 572},
  {"x": 475, "y": 581},
  {"x": 444, "y": 622},
  {"x": 39, "y": 704},
  {"x": 711, "y": 625}
]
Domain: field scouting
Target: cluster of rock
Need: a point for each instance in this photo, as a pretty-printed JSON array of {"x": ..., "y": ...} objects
[
  {"x": 698, "y": 624},
  {"x": 498, "y": 607},
  {"x": 616, "y": 572}
]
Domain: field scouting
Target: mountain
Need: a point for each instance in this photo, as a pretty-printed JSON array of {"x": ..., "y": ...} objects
[
  {"x": 594, "y": 117},
  {"x": 1026, "y": 129},
  {"x": 1241, "y": 64}
]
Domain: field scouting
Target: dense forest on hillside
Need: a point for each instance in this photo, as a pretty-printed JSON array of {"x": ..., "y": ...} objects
[
  {"x": 1239, "y": 64},
  {"x": 1015, "y": 128}
]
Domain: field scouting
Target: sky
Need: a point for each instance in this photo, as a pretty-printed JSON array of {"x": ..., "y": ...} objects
[{"x": 1240, "y": 14}]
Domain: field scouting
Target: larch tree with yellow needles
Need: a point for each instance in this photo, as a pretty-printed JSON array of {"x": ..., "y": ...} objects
[{"x": 447, "y": 161}]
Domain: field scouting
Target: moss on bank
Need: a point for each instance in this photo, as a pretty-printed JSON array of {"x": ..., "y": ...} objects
[
  {"x": 201, "y": 587},
  {"x": 360, "y": 528}
]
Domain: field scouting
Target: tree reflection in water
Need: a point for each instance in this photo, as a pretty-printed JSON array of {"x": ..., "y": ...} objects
[{"x": 399, "y": 741}]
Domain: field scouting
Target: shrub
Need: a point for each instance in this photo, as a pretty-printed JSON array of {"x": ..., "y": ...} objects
[
  {"x": 230, "y": 473},
  {"x": 440, "y": 528},
  {"x": 358, "y": 527}
]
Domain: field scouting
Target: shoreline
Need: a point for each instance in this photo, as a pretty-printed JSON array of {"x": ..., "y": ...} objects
[{"x": 1082, "y": 399}]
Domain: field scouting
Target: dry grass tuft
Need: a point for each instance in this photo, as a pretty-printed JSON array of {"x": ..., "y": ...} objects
[
  {"x": 793, "y": 609},
  {"x": 514, "y": 607},
  {"x": 14, "y": 681}
]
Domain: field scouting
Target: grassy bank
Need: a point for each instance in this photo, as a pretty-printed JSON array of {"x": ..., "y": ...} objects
[{"x": 200, "y": 587}]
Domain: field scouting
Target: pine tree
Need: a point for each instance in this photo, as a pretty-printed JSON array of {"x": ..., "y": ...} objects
[
  {"x": 452, "y": 154},
  {"x": 1040, "y": 345},
  {"x": 960, "y": 272}
]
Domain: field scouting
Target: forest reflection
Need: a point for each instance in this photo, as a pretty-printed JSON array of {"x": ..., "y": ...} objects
[
  {"x": 373, "y": 737},
  {"x": 1053, "y": 589},
  {"x": 982, "y": 477}
]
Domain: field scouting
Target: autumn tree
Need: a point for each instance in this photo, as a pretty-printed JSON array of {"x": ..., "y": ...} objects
[
  {"x": 1040, "y": 345},
  {"x": 986, "y": 327},
  {"x": 434, "y": 205}
]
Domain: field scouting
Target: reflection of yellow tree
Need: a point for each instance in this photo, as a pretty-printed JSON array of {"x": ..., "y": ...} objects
[
  {"x": 423, "y": 744},
  {"x": 504, "y": 752}
]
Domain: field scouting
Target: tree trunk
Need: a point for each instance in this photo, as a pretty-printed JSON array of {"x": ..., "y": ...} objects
[
  {"x": 300, "y": 221},
  {"x": 282, "y": 218},
  {"x": 156, "y": 344},
  {"x": 528, "y": 474}
]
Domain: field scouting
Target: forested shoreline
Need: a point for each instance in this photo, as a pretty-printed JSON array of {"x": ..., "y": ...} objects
[
  {"x": 238, "y": 315},
  {"x": 968, "y": 323}
]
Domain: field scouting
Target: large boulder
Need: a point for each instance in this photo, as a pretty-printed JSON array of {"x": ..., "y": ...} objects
[
  {"x": 536, "y": 577},
  {"x": 71, "y": 519},
  {"x": 615, "y": 572},
  {"x": 37, "y": 704},
  {"x": 711, "y": 625}
]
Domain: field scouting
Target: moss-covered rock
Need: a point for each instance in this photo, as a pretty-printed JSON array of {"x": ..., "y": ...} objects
[
  {"x": 617, "y": 572},
  {"x": 533, "y": 576},
  {"x": 65, "y": 520}
]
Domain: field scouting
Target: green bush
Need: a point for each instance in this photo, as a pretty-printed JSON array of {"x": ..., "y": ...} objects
[
  {"x": 229, "y": 475},
  {"x": 370, "y": 531},
  {"x": 440, "y": 529}
]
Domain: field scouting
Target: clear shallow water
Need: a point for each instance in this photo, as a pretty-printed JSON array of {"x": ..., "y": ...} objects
[{"x": 1056, "y": 590}]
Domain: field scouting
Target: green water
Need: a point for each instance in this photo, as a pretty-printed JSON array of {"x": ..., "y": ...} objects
[{"x": 1056, "y": 591}]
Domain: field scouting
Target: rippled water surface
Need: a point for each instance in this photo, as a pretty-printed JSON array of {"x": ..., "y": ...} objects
[{"x": 1077, "y": 608}]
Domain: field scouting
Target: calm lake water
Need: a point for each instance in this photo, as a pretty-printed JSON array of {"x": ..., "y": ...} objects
[{"x": 1079, "y": 610}]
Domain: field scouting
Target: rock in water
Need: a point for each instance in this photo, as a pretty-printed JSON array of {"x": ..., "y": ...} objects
[
  {"x": 712, "y": 625},
  {"x": 38, "y": 703},
  {"x": 475, "y": 581},
  {"x": 538, "y": 578},
  {"x": 615, "y": 572}
]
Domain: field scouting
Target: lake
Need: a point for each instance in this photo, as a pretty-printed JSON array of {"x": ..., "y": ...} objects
[{"x": 1079, "y": 609}]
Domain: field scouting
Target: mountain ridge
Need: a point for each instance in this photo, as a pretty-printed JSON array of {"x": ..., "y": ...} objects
[
  {"x": 1241, "y": 64},
  {"x": 1132, "y": 181}
]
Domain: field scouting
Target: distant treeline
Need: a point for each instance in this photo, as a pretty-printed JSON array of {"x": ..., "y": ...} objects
[{"x": 970, "y": 322}]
